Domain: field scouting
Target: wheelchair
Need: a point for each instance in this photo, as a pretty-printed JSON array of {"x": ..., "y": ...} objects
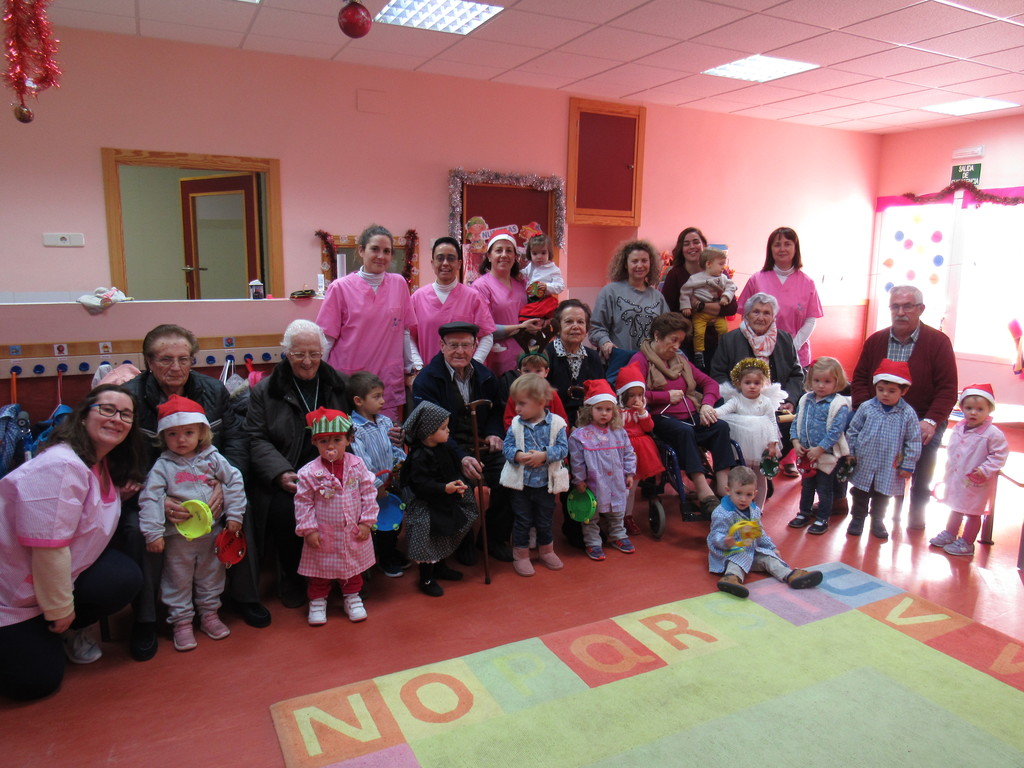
[{"x": 651, "y": 488}]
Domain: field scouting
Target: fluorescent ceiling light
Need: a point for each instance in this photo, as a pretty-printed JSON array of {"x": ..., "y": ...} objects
[
  {"x": 454, "y": 16},
  {"x": 970, "y": 106},
  {"x": 254, "y": 2},
  {"x": 760, "y": 69}
]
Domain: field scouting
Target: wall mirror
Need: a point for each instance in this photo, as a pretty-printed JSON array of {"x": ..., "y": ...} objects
[{"x": 192, "y": 226}]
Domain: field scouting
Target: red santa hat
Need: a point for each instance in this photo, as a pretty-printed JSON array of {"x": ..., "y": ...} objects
[
  {"x": 629, "y": 376},
  {"x": 979, "y": 390},
  {"x": 179, "y": 411},
  {"x": 891, "y": 370},
  {"x": 597, "y": 391},
  {"x": 326, "y": 421}
]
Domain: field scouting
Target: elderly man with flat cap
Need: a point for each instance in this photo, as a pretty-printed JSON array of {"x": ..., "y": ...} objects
[
  {"x": 929, "y": 353},
  {"x": 453, "y": 380}
]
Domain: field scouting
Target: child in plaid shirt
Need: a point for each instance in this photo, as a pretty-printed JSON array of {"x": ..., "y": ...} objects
[{"x": 885, "y": 440}]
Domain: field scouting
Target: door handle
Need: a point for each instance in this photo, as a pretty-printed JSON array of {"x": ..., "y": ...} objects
[{"x": 194, "y": 269}]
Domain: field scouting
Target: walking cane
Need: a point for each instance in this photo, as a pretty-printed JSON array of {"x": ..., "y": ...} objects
[{"x": 479, "y": 486}]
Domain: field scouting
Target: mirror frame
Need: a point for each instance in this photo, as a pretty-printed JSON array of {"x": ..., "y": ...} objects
[{"x": 112, "y": 159}]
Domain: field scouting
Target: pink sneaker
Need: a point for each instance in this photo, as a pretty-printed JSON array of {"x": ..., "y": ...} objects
[
  {"x": 184, "y": 636},
  {"x": 211, "y": 624}
]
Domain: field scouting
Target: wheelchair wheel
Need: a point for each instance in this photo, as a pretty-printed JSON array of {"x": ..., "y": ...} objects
[{"x": 656, "y": 518}]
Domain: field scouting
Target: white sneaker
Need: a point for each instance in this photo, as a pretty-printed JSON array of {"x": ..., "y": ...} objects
[
  {"x": 80, "y": 648},
  {"x": 317, "y": 611},
  {"x": 354, "y": 608}
]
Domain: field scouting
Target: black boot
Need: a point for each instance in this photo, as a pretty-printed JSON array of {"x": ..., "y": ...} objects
[
  {"x": 442, "y": 571},
  {"x": 427, "y": 584}
]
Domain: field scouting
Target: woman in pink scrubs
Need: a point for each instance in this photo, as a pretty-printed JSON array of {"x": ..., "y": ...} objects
[
  {"x": 504, "y": 291},
  {"x": 58, "y": 512},
  {"x": 446, "y": 300},
  {"x": 782, "y": 277},
  {"x": 367, "y": 316}
]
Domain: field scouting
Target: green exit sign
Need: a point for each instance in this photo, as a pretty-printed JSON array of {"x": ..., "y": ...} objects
[{"x": 970, "y": 172}]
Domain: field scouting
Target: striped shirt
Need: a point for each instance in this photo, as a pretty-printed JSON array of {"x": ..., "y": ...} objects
[{"x": 374, "y": 447}]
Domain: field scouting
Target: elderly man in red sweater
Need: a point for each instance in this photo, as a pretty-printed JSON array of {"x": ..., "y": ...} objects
[{"x": 933, "y": 371}]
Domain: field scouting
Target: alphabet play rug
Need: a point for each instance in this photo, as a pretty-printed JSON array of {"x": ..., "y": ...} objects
[{"x": 855, "y": 673}]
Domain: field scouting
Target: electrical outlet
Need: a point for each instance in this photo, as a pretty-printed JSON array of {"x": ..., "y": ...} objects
[{"x": 63, "y": 239}]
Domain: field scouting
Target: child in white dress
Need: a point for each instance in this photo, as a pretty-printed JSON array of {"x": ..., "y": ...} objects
[{"x": 750, "y": 405}]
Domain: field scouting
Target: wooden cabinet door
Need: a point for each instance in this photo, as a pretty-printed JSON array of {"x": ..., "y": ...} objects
[{"x": 606, "y": 148}]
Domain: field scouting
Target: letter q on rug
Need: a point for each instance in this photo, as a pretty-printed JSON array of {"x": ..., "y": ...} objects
[{"x": 855, "y": 673}]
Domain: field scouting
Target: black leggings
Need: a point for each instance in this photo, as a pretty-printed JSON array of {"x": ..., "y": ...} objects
[{"x": 31, "y": 656}]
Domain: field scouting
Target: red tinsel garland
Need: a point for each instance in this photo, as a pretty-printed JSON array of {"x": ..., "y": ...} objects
[
  {"x": 30, "y": 48},
  {"x": 968, "y": 186}
]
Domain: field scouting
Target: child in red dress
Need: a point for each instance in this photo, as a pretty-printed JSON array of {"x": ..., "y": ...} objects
[{"x": 629, "y": 386}]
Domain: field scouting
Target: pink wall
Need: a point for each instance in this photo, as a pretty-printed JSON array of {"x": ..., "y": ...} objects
[{"x": 920, "y": 162}]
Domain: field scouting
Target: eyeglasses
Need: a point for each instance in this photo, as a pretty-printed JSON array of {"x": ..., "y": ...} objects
[
  {"x": 169, "y": 362},
  {"x": 108, "y": 411},
  {"x": 460, "y": 344},
  {"x": 311, "y": 356},
  {"x": 906, "y": 308},
  {"x": 446, "y": 257}
]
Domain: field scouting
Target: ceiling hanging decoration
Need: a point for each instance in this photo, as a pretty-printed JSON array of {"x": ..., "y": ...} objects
[
  {"x": 30, "y": 49},
  {"x": 354, "y": 19}
]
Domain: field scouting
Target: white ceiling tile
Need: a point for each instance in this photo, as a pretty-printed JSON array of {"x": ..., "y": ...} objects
[
  {"x": 750, "y": 5},
  {"x": 404, "y": 41},
  {"x": 598, "y": 11},
  {"x": 290, "y": 47},
  {"x": 715, "y": 105},
  {"x": 372, "y": 57},
  {"x": 273, "y": 22},
  {"x": 757, "y": 34},
  {"x": 919, "y": 99},
  {"x": 635, "y": 77},
  {"x": 823, "y": 79},
  {"x": 860, "y": 111},
  {"x": 763, "y": 93},
  {"x": 836, "y": 14},
  {"x": 512, "y": 26},
  {"x": 988, "y": 38},
  {"x": 814, "y": 118},
  {"x": 189, "y": 34},
  {"x": 617, "y": 44},
  {"x": 701, "y": 86},
  {"x": 893, "y": 62},
  {"x": 692, "y": 57},
  {"x": 117, "y": 7},
  {"x": 766, "y": 111},
  {"x": 439, "y": 66},
  {"x": 1001, "y": 8},
  {"x": 829, "y": 48},
  {"x": 918, "y": 22},
  {"x": 683, "y": 19},
  {"x": 908, "y": 117},
  {"x": 948, "y": 74},
  {"x": 99, "y": 22},
  {"x": 535, "y": 79},
  {"x": 321, "y": 7},
  {"x": 815, "y": 102},
  {"x": 567, "y": 64},
  {"x": 856, "y": 125},
  {"x": 874, "y": 90},
  {"x": 235, "y": 17},
  {"x": 991, "y": 86},
  {"x": 469, "y": 50},
  {"x": 656, "y": 97},
  {"x": 1012, "y": 59}
]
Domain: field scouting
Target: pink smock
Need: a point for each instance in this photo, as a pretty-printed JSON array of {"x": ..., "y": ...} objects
[
  {"x": 50, "y": 502},
  {"x": 983, "y": 448},
  {"x": 463, "y": 304},
  {"x": 369, "y": 329},
  {"x": 505, "y": 304},
  {"x": 798, "y": 300}
]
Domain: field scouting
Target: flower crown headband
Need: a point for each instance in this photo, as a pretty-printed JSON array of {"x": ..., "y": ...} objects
[{"x": 745, "y": 365}]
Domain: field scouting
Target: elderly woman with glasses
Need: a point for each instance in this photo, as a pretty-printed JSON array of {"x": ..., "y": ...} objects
[
  {"x": 169, "y": 351},
  {"x": 280, "y": 444}
]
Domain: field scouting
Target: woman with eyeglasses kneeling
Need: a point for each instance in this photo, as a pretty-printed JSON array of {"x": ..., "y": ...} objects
[
  {"x": 58, "y": 512},
  {"x": 280, "y": 444},
  {"x": 169, "y": 352}
]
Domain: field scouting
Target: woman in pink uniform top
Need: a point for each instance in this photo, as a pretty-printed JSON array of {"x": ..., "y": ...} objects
[
  {"x": 504, "y": 291},
  {"x": 446, "y": 300},
  {"x": 367, "y": 317},
  {"x": 782, "y": 277}
]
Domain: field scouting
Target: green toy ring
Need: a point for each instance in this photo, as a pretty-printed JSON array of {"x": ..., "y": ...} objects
[{"x": 582, "y": 506}]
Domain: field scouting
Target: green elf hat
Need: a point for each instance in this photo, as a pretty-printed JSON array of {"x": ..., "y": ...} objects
[{"x": 326, "y": 421}]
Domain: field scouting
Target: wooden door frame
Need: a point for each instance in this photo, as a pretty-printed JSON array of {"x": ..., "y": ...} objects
[{"x": 112, "y": 159}]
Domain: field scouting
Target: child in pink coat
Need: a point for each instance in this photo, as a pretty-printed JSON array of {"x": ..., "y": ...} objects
[
  {"x": 335, "y": 508},
  {"x": 977, "y": 451}
]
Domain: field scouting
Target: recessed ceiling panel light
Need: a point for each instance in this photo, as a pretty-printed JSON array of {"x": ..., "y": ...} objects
[
  {"x": 970, "y": 106},
  {"x": 454, "y": 16},
  {"x": 760, "y": 69},
  {"x": 253, "y": 2}
]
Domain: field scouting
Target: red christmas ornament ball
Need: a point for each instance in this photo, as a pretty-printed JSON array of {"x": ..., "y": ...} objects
[
  {"x": 354, "y": 19},
  {"x": 23, "y": 113}
]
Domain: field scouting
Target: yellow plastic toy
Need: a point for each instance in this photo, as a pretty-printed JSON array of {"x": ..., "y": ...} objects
[{"x": 200, "y": 521}]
